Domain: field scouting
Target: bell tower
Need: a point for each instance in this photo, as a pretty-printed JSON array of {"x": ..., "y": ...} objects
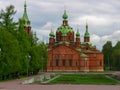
[
  {"x": 77, "y": 39},
  {"x": 86, "y": 35},
  {"x": 25, "y": 20}
]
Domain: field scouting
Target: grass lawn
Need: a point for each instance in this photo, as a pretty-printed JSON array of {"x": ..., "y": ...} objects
[{"x": 84, "y": 79}]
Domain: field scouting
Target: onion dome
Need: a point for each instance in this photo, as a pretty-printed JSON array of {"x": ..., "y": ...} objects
[
  {"x": 77, "y": 34},
  {"x": 51, "y": 34},
  {"x": 64, "y": 29},
  {"x": 65, "y": 16}
]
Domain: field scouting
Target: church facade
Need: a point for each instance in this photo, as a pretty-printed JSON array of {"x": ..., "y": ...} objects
[{"x": 66, "y": 52}]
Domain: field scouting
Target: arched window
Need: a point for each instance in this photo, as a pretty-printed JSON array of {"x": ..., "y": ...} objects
[
  {"x": 58, "y": 37},
  {"x": 50, "y": 64},
  {"x": 63, "y": 62},
  {"x": 100, "y": 63},
  {"x": 76, "y": 64},
  {"x": 69, "y": 37},
  {"x": 70, "y": 62},
  {"x": 57, "y": 62}
]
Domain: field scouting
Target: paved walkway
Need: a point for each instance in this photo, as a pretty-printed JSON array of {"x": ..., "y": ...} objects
[{"x": 15, "y": 85}]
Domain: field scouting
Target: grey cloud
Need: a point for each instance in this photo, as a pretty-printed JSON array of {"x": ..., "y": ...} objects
[{"x": 103, "y": 15}]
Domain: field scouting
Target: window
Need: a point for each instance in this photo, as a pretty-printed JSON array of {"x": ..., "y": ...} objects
[
  {"x": 70, "y": 62},
  {"x": 57, "y": 62},
  {"x": 100, "y": 63},
  {"x": 50, "y": 64},
  {"x": 63, "y": 62},
  {"x": 76, "y": 63},
  {"x": 87, "y": 48},
  {"x": 69, "y": 37},
  {"x": 85, "y": 63},
  {"x": 58, "y": 37}
]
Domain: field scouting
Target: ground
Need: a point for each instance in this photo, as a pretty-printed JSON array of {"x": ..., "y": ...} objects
[{"x": 16, "y": 85}]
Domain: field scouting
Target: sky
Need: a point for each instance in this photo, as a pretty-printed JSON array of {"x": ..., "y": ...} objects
[{"x": 102, "y": 16}]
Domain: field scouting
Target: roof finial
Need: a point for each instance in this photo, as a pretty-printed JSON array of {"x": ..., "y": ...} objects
[
  {"x": 77, "y": 33},
  {"x": 25, "y": 5},
  {"x": 77, "y": 28},
  {"x": 86, "y": 25},
  {"x": 64, "y": 7},
  {"x": 52, "y": 28},
  {"x": 87, "y": 33}
]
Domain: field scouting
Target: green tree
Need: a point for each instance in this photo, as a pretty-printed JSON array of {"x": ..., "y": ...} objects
[
  {"x": 116, "y": 56},
  {"x": 10, "y": 54},
  {"x": 6, "y": 18},
  {"x": 107, "y": 51},
  {"x": 19, "y": 52},
  {"x": 43, "y": 55}
]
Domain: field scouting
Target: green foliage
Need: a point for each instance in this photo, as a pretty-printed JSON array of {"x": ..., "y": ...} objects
[
  {"x": 20, "y": 53},
  {"x": 111, "y": 55},
  {"x": 10, "y": 52},
  {"x": 116, "y": 56},
  {"x": 83, "y": 79},
  {"x": 6, "y": 18},
  {"x": 107, "y": 51}
]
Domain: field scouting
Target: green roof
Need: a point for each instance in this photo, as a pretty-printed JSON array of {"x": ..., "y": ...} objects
[
  {"x": 66, "y": 42},
  {"x": 83, "y": 55},
  {"x": 78, "y": 49},
  {"x": 64, "y": 29},
  {"x": 25, "y": 16},
  {"x": 88, "y": 51},
  {"x": 61, "y": 42},
  {"x": 65, "y": 16},
  {"x": 64, "y": 33},
  {"x": 87, "y": 34}
]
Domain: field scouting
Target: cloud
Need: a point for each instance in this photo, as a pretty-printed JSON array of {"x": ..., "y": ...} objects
[
  {"x": 103, "y": 16},
  {"x": 113, "y": 37},
  {"x": 100, "y": 40},
  {"x": 92, "y": 20},
  {"x": 48, "y": 25},
  {"x": 42, "y": 34}
]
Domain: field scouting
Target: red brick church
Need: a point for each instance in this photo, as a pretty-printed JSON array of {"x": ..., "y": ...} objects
[{"x": 66, "y": 52}]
